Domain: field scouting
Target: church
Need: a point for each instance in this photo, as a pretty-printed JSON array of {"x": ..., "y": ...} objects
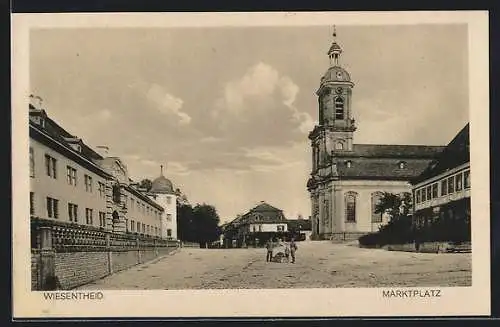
[{"x": 348, "y": 179}]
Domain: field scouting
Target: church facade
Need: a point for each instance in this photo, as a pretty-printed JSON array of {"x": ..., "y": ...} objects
[{"x": 348, "y": 179}]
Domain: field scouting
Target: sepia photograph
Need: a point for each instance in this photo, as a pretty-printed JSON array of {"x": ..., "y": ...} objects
[{"x": 325, "y": 156}]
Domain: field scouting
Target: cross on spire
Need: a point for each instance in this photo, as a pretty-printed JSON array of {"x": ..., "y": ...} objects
[{"x": 334, "y": 32}]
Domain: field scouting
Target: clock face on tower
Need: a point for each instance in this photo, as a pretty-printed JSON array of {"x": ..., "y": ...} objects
[
  {"x": 339, "y": 90},
  {"x": 339, "y": 75}
]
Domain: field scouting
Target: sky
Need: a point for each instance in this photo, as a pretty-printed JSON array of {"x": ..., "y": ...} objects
[{"x": 227, "y": 110}]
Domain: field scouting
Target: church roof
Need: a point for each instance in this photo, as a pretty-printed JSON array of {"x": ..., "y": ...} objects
[
  {"x": 384, "y": 162},
  {"x": 380, "y": 168},
  {"x": 456, "y": 153},
  {"x": 392, "y": 151}
]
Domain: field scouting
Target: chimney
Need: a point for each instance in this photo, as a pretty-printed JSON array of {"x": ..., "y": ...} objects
[{"x": 103, "y": 150}]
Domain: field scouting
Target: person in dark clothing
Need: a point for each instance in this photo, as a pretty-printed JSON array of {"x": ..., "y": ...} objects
[
  {"x": 269, "y": 247},
  {"x": 293, "y": 249}
]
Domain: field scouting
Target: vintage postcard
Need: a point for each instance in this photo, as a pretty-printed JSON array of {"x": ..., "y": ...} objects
[{"x": 250, "y": 164}]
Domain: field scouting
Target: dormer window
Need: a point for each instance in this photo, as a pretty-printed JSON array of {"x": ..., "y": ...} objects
[
  {"x": 339, "y": 146},
  {"x": 348, "y": 163},
  {"x": 402, "y": 165}
]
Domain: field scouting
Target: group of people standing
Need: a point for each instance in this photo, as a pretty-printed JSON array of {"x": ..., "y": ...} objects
[{"x": 290, "y": 249}]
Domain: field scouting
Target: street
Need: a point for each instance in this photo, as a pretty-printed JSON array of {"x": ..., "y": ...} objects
[{"x": 319, "y": 265}]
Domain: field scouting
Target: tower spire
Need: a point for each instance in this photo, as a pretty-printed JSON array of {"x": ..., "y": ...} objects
[{"x": 335, "y": 49}]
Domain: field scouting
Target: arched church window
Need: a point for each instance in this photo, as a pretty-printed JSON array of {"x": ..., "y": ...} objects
[
  {"x": 339, "y": 146},
  {"x": 350, "y": 207},
  {"x": 376, "y": 217},
  {"x": 339, "y": 108}
]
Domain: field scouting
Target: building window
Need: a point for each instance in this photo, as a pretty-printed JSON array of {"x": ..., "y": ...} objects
[
  {"x": 169, "y": 217},
  {"x": 434, "y": 190},
  {"x": 424, "y": 194},
  {"x": 88, "y": 183},
  {"x": 467, "y": 179},
  {"x": 458, "y": 182},
  {"x": 32, "y": 203},
  {"x": 89, "y": 216},
  {"x": 402, "y": 165},
  {"x": 131, "y": 203},
  {"x": 73, "y": 212},
  {"x": 339, "y": 146},
  {"x": 132, "y": 225},
  {"x": 32, "y": 162},
  {"x": 143, "y": 228},
  {"x": 444, "y": 187},
  {"x": 116, "y": 193},
  {"x": 102, "y": 219},
  {"x": 51, "y": 166},
  {"x": 280, "y": 228},
  {"x": 350, "y": 207},
  {"x": 376, "y": 217},
  {"x": 169, "y": 232},
  {"x": 339, "y": 108},
  {"x": 102, "y": 189},
  {"x": 429, "y": 192},
  {"x": 348, "y": 163},
  {"x": 451, "y": 184},
  {"x": 254, "y": 229},
  {"x": 260, "y": 228},
  {"x": 138, "y": 227},
  {"x": 71, "y": 175},
  {"x": 52, "y": 208},
  {"x": 418, "y": 196}
]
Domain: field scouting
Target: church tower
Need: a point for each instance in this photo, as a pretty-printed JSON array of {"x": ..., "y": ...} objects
[
  {"x": 332, "y": 135},
  {"x": 336, "y": 125}
]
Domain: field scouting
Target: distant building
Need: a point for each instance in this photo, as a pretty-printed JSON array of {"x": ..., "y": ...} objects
[
  {"x": 348, "y": 179},
  {"x": 70, "y": 182},
  {"x": 261, "y": 223},
  {"x": 442, "y": 191}
]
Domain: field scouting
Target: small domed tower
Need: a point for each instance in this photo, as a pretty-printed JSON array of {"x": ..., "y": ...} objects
[{"x": 163, "y": 192}]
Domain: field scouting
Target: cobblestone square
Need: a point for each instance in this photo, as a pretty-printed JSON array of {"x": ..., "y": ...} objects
[{"x": 319, "y": 265}]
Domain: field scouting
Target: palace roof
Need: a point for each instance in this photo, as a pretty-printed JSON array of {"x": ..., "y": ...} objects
[{"x": 456, "y": 153}]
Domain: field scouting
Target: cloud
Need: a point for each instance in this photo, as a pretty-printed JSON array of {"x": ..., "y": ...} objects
[
  {"x": 164, "y": 102},
  {"x": 260, "y": 91}
]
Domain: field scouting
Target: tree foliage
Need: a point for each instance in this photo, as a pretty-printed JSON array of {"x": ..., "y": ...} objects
[
  {"x": 146, "y": 184},
  {"x": 198, "y": 224}
]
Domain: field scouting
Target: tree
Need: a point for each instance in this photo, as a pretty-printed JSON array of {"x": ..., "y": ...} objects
[
  {"x": 146, "y": 184},
  {"x": 185, "y": 224},
  {"x": 206, "y": 224}
]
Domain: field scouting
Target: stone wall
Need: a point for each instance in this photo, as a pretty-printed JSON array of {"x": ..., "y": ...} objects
[
  {"x": 67, "y": 256},
  {"x": 78, "y": 268},
  {"x": 35, "y": 269}
]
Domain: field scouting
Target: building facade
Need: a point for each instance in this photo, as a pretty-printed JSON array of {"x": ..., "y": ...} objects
[
  {"x": 442, "y": 191},
  {"x": 70, "y": 182},
  {"x": 261, "y": 223},
  {"x": 348, "y": 179}
]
